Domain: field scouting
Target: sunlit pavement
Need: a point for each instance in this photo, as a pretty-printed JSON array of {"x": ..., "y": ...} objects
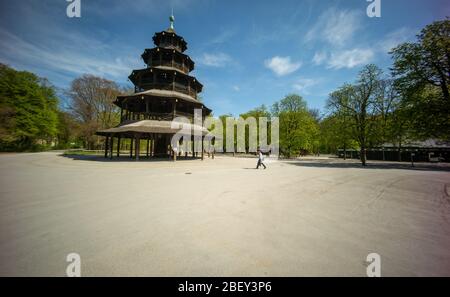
[{"x": 221, "y": 217}]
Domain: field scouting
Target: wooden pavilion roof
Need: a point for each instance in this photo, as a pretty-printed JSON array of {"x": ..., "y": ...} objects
[
  {"x": 162, "y": 93},
  {"x": 155, "y": 126}
]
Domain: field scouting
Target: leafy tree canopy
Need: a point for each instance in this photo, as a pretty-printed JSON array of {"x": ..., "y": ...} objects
[{"x": 28, "y": 110}]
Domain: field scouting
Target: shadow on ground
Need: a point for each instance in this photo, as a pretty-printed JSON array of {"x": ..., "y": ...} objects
[
  {"x": 374, "y": 165},
  {"x": 101, "y": 158}
]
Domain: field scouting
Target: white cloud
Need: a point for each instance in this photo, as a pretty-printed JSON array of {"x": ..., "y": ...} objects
[
  {"x": 395, "y": 38},
  {"x": 282, "y": 65},
  {"x": 303, "y": 84},
  {"x": 135, "y": 7},
  {"x": 334, "y": 26},
  {"x": 214, "y": 60},
  {"x": 319, "y": 57},
  {"x": 224, "y": 36},
  {"x": 66, "y": 56},
  {"x": 236, "y": 88},
  {"x": 350, "y": 58}
]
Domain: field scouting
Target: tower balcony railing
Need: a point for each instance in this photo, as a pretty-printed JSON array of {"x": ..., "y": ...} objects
[
  {"x": 177, "y": 87},
  {"x": 139, "y": 116},
  {"x": 167, "y": 44},
  {"x": 177, "y": 65}
]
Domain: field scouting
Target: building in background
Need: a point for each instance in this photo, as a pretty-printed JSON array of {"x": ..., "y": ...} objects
[{"x": 430, "y": 150}]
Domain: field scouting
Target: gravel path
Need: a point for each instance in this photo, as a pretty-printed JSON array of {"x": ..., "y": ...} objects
[{"x": 221, "y": 217}]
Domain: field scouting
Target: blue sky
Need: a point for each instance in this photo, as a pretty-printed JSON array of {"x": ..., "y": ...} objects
[{"x": 247, "y": 53}]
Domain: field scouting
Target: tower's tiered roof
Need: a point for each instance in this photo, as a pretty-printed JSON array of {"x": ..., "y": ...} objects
[{"x": 167, "y": 71}]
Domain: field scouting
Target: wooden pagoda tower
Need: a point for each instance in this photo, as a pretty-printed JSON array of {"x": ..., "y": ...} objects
[{"x": 163, "y": 90}]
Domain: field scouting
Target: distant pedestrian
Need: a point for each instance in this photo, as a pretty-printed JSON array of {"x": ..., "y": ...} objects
[{"x": 260, "y": 160}]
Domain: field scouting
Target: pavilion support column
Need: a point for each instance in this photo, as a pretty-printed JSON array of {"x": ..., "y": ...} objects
[
  {"x": 170, "y": 152},
  {"x": 174, "y": 149},
  {"x": 213, "y": 142},
  {"x": 148, "y": 146},
  {"x": 138, "y": 147},
  {"x": 152, "y": 145},
  {"x": 118, "y": 146},
  {"x": 193, "y": 147},
  {"x": 174, "y": 152},
  {"x": 106, "y": 146},
  {"x": 111, "y": 144},
  {"x": 209, "y": 148},
  {"x": 131, "y": 148},
  {"x": 203, "y": 138}
]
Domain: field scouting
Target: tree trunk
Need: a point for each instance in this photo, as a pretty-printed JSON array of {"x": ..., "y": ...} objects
[
  {"x": 345, "y": 151},
  {"x": 363, "y": 155}
]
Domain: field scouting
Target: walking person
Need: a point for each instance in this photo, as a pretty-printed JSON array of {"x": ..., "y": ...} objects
[{"x": 260, "y": 160}]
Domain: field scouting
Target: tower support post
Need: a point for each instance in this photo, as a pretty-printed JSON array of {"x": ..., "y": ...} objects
[
  {"x": 111, "y": 144},
  {"x": 118, "y": 146},
  {"x": 106, "y": 146},
  {"x": 138, "y": 147},
  {"x": 131, "y": 147},
  {"x": 203, "y": 138}
]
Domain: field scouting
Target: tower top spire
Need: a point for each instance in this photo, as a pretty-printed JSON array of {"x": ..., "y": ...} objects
[{"x": 172, "y": 20}]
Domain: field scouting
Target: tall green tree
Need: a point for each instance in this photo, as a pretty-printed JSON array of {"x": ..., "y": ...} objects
[
  {"x": 299, "y": 130},
  {"x": 69, "y": 131},
  {"x": 223, "y": 141},
  {"x": 359, "y": 102},
  {"x": 400, "y": 126},
  {"x": 28, "y": 110},
  {"x": 336, "y": 133},
  {"x": 422, "y": 72},
  {"x": 92, "y": 105},
  {"x": 386, "y": 102},
  {"x": 256, "y": 113}
]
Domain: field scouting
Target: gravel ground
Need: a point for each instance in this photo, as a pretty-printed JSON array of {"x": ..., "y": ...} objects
[{"x": 221, "y": 217}]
